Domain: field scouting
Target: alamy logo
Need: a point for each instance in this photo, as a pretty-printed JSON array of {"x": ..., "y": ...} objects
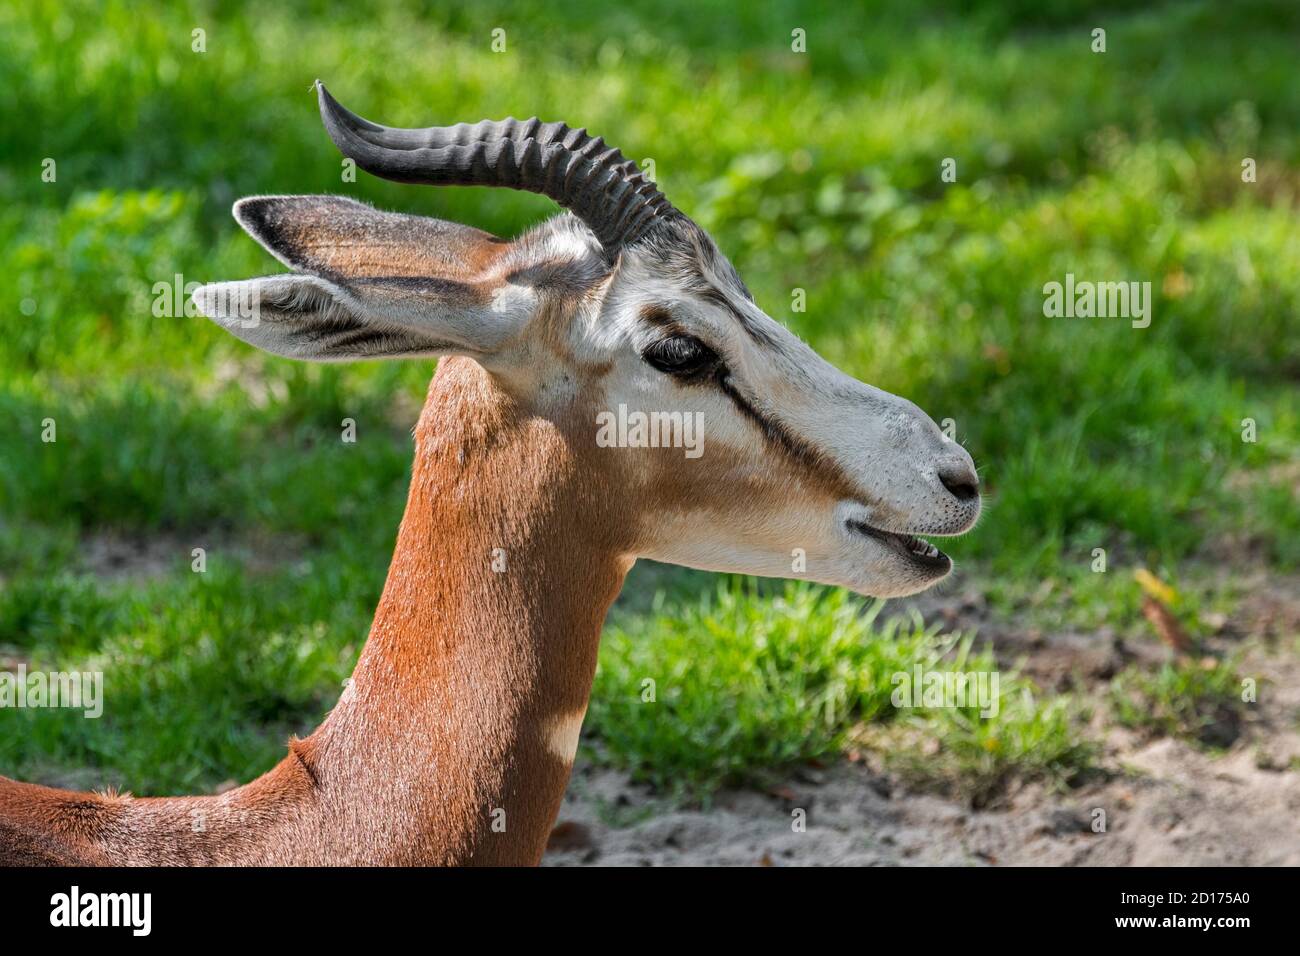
[
  {"x": 1102, "y": 300},
  {"x": 947, "y": 689},
  {"x": 134, "y": 910},
  {"x": 73, "y": 690},
  {"x": 624, "y": 429}
]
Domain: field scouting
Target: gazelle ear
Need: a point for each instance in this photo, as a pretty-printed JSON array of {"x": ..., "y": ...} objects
[{"x": 378, "y": 285}]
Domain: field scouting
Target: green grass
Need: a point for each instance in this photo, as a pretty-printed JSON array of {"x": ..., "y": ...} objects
[
  {"x": 960, "y": 753},
  {"x": 793, "y": 678},
  {"x": 816, "y": 171},
  {"x": 1199, "y": 700}
]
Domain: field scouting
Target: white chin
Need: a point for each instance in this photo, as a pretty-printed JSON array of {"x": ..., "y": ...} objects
[{"x": 894, "y": 589}]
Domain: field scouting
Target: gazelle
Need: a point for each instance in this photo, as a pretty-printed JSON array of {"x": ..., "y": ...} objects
[{"x": 455, "y": 739}]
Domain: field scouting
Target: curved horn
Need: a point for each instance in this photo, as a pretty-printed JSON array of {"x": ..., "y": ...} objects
[{"x": 581, "y": 173}]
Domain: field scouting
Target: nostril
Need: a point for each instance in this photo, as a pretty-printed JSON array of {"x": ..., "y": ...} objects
[{"x": 961, "y": 481}]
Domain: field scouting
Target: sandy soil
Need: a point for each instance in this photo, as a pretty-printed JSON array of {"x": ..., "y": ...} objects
[
  {"x": 1178, "y": 808},
  {"x": 1165, "y": 802}
]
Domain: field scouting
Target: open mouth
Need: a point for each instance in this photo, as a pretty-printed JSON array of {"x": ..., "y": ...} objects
[{"x": 909, "y": 546}]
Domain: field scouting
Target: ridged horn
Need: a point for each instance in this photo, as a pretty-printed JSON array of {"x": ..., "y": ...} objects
[{"x": 580, "y": 172}]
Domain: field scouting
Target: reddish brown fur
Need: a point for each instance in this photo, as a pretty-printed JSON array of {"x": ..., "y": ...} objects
[{"x": 444, "y": 720}]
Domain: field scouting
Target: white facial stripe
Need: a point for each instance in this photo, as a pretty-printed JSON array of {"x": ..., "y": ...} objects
[
  {"x": 568, "y": 245},
  {"x": 515, "y": 301}
]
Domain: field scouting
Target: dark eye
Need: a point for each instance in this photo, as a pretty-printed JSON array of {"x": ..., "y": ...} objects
[{"x": 680, "y": 355}]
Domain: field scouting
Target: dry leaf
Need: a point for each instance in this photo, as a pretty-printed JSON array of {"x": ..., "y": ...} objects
[
  {"x": 1166, "y": 625},
  {"x": 1153, "y": 587}
]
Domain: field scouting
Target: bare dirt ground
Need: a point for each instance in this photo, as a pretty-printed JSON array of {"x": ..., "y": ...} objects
[
  {"x": 1177, "y": 807},
  {"x": 113, "y": 557},
  {"x": 1165, "y": 802}
]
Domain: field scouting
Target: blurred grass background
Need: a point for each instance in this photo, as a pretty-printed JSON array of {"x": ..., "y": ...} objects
[{"x": 817, "y": 171}]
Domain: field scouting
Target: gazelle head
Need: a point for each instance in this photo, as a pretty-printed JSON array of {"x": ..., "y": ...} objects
[{"x": 624, "y": 326}]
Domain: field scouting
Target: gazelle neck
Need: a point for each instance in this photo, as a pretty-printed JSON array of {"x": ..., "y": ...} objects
[{"x": 454, "y": 740}]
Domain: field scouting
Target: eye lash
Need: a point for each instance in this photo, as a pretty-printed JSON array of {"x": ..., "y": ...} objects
[
  {"x": 712, "y": 370},
  {"x": 664, "y": 355}
]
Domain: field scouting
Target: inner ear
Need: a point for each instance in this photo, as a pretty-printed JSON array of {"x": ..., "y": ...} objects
[
  {"x": 309, "y": 318},
  {"x": 288, "y": 300}
]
